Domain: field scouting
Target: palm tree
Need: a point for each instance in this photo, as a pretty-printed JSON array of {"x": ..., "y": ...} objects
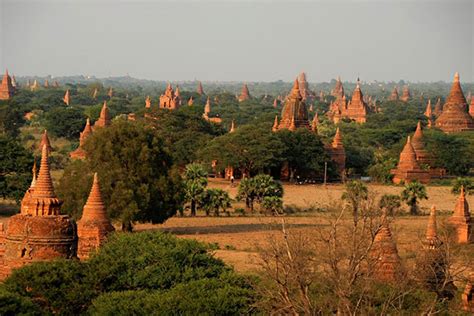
[
  {"x": 413, "y": 192},
  {"x": 467, "y": 183},
  {"x": 195, "y": 184},
  {"x": 214, "y": 200}
]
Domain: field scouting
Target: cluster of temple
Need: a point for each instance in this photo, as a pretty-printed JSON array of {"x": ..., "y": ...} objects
[
  {"x": 355, "y": 109},
  {"x": 431, "y": 263},
  {"x": 416, "y": 163},
  {"x": 41, "y": 233},
  {"x": 103, "y": 121},
  {"x": 294, "y": 115}
]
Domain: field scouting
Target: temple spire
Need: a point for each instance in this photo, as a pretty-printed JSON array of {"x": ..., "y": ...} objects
[
  {"x": 94, "y": 209},
  {"x": 44, "y": 184},
  {"x": 431, "y": 230},
  {"x": 275, "y": 124},
  {"x": 45, "y": 141},
  {"x": 232, "y": 127},
  {"x": 34, "y": 172},
  {"x": 67, "y": 97}
]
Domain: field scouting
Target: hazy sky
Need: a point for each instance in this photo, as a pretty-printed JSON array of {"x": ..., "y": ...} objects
[{"x": 239, "y": 40}]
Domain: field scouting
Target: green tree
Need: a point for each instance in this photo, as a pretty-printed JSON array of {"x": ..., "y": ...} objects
[
  {"x": 214, "y": 200},
  {"x": 227, "y": 295},
  {"x": 14, "y": 304},
  {"x": 65, "y": 122},
  {"x": 303, "y": 151},
  {"x": 272, "y": 204},
  {"x": 15, "y": 168},
  {"x": 467, "y": 183},
  {"x": 390, "y": 203},
  {"x": 356, "y": 192},
  {"x": 138, "y": 180},
  {"x": 146, "y": 270},
  {"x": 413, "y": 192},
  {"x": 195, "y": 183},
  {"x": 255, "y": 189},
  {"x": 251, "y": 149},
  {"x": 11, "y": 119}
]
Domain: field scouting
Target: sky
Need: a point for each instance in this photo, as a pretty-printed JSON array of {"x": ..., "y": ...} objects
[{"x": 227, "y": 40}]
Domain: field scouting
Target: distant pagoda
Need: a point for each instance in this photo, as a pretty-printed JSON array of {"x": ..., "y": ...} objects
[
  {"x": 6, "y": 88},
  {"x": 408, "y": 169},
  {"x": 294, "y": 113},
  {"x": 170, "y": 100},
  {"x": 455, "y": 117},
  {"x": 244, "y": 94}
]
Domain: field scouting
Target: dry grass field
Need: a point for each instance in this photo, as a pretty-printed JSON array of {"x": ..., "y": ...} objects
[{"x": 238, "y": 238}]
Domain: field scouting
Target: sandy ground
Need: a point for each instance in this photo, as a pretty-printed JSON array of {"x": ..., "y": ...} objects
[{"x": 238, "y": 239}]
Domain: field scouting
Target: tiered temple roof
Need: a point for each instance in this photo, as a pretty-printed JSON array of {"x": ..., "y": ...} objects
[
  {"x": 408, "y": 169},
  {"x": 104, "y": 118},
  {"x": 94, "y": 225},
  {"x": 6, "y": 88},
  {"x": 169, "y": 100},
  {"x": 307, "y": 95},
  {"x": 294, "y": 113},
  {"x": 386, "y": 263},
  {"x": 355, "y": 110},
  {"x": 422, "y": 155},
  {"x": 461, "y": 220},
  {"x": 244, "y": 94},
  {"x": 406, "y": 95},
  {"x": 80, "y": 153},
  {"x": 39, "y": 232},
  {"x": 455, "y": 117}
]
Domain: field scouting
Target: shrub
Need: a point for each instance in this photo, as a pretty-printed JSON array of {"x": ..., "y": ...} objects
[{"x": 228, "y": 295}]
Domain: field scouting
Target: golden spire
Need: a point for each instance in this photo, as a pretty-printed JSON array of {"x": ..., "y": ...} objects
[
  {"x": 275, "y": 124},
  {"x": 232, "y": 127}
]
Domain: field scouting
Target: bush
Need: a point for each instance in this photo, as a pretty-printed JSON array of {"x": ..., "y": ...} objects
[
  {"x": 134, "y": 265},
  {"x": 151, "y": 260},
  {"x": 228, "y": 295},
  {"x": 60, "y": 287},
  {"x": 14, "y": 304}
]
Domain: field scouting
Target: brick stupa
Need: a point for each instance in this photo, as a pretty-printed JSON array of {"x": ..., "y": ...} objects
[
  {"x": 104, "y": 118},
  {"x": 406, "y": 95},
  {"x": 39, "y": 232},
  {"x": 394, "y": 95},
  {"x": 244, "y": 94},
  {"x": 169, "y": 100},
  {"x": 200, "y": 90},
  {"x": 45, "y": 141},
  {"x": 338, "y": 88},
  {"x": 294, "y": 113},
  {"x": 94, "y": 225},
  {"x": 307, "y": 95},
  {"x": 6, "y": 88},
  {"x": 67, "y": 97},
  {"x": 461, "y": 220},
  {"x": 386, "y": 263},
  {"x": 455, "y": 117},
  {"x": 438, "y": 108},
  {"x": 148, "y": 102},
  {"x": 408, "y": 169},
  {"x": 80, "y": 153},
  {"x": 355, "y": 110},
  {"x": 338, "y": 153}
]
